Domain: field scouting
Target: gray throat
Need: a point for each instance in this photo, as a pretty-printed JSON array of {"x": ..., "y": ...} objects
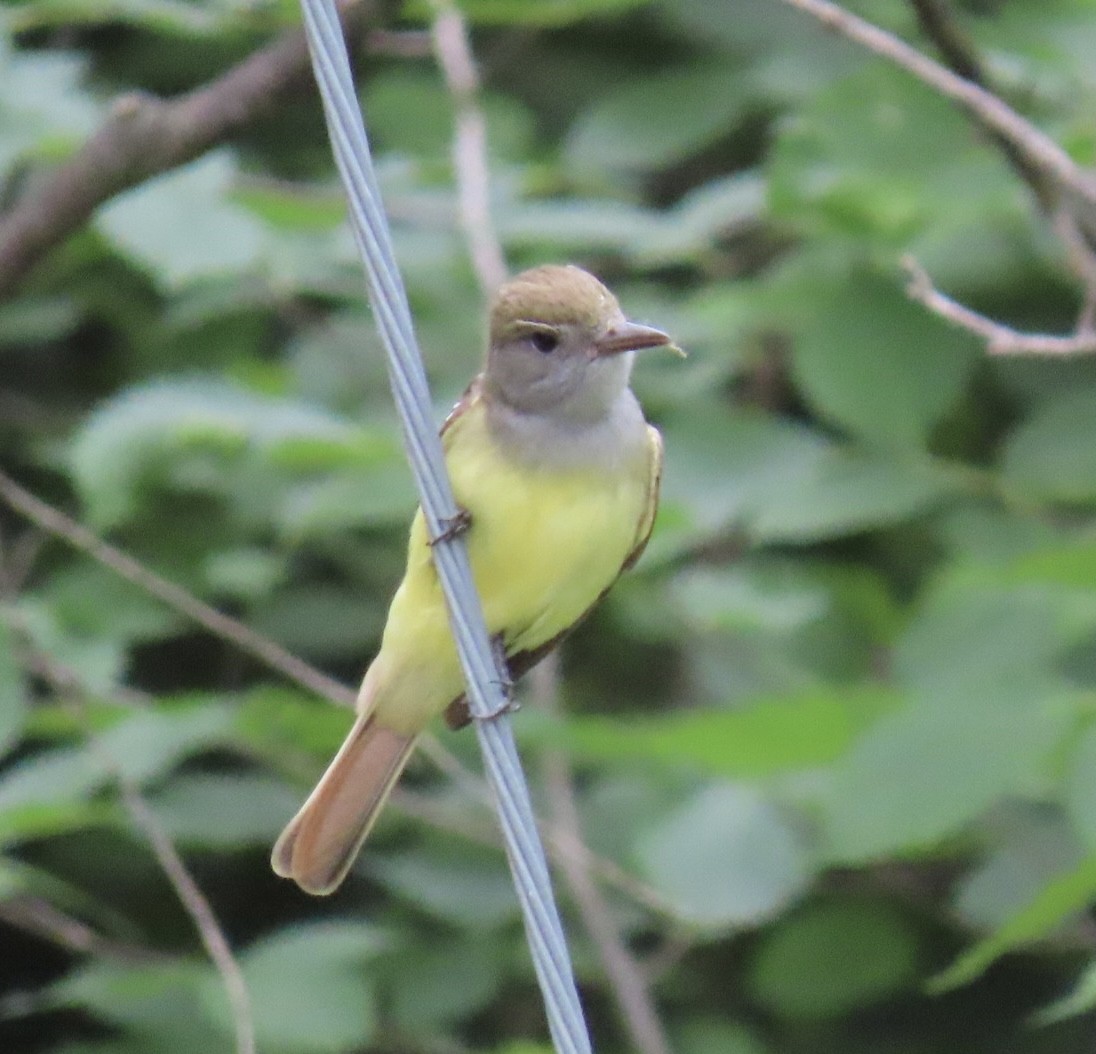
[{"x": 555, "y": 442}]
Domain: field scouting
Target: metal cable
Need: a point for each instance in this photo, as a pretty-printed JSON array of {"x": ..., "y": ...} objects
[{"x": 486, "y": 683}]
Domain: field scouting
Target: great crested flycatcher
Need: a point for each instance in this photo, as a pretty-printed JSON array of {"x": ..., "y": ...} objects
[{"x": 557, "y": 474}]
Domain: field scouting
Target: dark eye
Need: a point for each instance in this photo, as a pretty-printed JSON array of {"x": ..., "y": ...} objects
[{"x": 545, "y": 341}]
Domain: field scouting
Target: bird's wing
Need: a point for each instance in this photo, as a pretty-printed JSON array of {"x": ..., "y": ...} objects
[
  {"x": 654, "y": 488},
  {"x": 519, "y": 663}
]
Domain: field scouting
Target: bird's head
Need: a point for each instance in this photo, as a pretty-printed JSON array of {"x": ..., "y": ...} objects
[{"x": 559, "y": 344}]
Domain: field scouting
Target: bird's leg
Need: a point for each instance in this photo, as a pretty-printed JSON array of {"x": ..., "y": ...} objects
[
  {"x": 509, "y": 705},
  {"x": 453, "y": 527},
  {"x": 458, "y": 714}
]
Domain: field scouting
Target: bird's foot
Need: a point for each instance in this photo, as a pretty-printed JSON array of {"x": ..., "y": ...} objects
[
  {"x": 504, "y": 681},
  {"x": 453, "y": 527},
  {"x": 458, "y": 714}
]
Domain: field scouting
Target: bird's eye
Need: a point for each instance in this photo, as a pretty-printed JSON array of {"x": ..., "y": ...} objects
[{"x": 544, "y": 340}]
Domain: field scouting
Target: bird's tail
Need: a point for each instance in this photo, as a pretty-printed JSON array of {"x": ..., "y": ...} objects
[{"x": 320, "y": 843}]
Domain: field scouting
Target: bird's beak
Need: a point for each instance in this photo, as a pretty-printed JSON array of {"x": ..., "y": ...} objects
[{"x": 629, "y": 336}]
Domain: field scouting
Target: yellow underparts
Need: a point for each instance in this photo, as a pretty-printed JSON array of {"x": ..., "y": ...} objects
[{"x": 543, "y": 545}]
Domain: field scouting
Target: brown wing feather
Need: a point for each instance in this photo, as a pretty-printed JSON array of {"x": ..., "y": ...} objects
[{"x": 519, "y": 663}]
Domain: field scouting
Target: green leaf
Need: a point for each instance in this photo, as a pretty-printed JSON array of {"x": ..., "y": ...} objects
[
  {"x": 139, "y": 748},
  {"x": 876, "y": 154},
  {"x": 277, "y": 720},
  {"x": 765, "y": 737},
  {"x": 224, "y": 812},
  {"x": 751, "y": 597},
  {"x": 196, "y": 433},
  {"x": 13, "y": 697},
  {"x": 308, "y": 989},
  {"x": 714, "y": 1035},
  {"x": 725, "y": 859},
  {"x": 42, "y": 107},
  {"x": 920, "y": 774},
  {"x": 36, "y": 320},
  {"x": 1080, "y": 790},
  {"x": 875, "y": 363},
  {"x": 534, "y": 12},
  {"x": 721, "y": 466},
  {"x": 576, "y": 225},
  {"x": 657, "y": 120},
  {"x": 833, "y": 958},
  {"x": 717, "y": 210},
  {"x": 422, "y": 993},
  {"x": 1052, "y": 455},
  {"x": 1076, "y": 1002},
  {"x": 156, "y": 1005},
  {"x": 1069, "y": 893},
  {"x": 473, "y": 891},
  {"x": 321, "y": 620},
  {"x": 96, "y": 663},
  {"x": 787, "y": 484},
  {"x": 844, "y": 492},
  {"x": 980, "y": 641},
  {"x": 183, "y": 225},
  {"x": 1030, "y": 847}
]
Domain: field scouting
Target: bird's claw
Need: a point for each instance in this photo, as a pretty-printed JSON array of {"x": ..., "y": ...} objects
[
  {"x": 458, "y": 714},
  {"x": 453, "y": 527}
]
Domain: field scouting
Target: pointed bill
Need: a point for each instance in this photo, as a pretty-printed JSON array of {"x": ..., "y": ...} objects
[{"x": 630, "y": 336}]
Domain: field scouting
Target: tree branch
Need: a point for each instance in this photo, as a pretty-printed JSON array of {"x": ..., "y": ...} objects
[
  {"x": 454, "y": 55},
  {"x": 999, "y": 338},
  {"x": 37, "y": 916},
  {"x": 985, "y": 108},
  {"x": 626, "y": 979},
  {"x": 1065, "y": 191},
  {"x": 189, "y": 893},
  {"x": 145, "y": 135},
  {"x": 248, "y": 641},
  {"x": 937, "y": 23}
]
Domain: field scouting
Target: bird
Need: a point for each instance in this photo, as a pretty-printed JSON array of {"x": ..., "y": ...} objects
[{"x": 556, "y": 473}]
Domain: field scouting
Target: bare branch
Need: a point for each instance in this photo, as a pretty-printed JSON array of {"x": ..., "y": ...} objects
[
  {"x": 937, "y": 23},
  {"x": 1079, "y": 255},
  {"x": 39, "y": 917},
  {"x": 145, "y": 135},
  {"x": 626, "y": 979},
  {"x": 999, "y": 339},
  {"x": 177, "y": 598},
  {"x": 988, "y": 111},
  {"x": 454, "y": 55},
  {"x": 190, "y": 896},
  {"x": 940, "y": 27}
]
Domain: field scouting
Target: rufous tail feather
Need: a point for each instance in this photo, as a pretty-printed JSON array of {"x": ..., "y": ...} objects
[{"x": 320, "y": 843}]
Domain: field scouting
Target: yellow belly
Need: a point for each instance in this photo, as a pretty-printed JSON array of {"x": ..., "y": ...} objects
[{"x": 543, "y": 546}]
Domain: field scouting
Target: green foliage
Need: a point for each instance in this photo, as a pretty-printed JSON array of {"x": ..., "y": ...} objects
[{"x": 836, "y": 730}]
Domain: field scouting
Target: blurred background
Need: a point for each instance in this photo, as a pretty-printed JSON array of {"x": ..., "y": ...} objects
[{"x": 830, "y": 746}]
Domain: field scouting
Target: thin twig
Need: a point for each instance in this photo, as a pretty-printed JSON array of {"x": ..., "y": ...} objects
[
  {"x": 937, "y": 21},
  {"x": 197, "y": 907},
  {"x": 1080, "y": 256},
  {"x": 985, "y": 108},
  {"x": 626, "y": 978},
  {"x": 39, "y": 917},
  {"x": 145, "y": 135},
  {"x": 999, "y": 338},
  {"x": 454, "y": 55},
  {"x": 939, "y": 25},
  {"x": 248, "y": 641}
]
